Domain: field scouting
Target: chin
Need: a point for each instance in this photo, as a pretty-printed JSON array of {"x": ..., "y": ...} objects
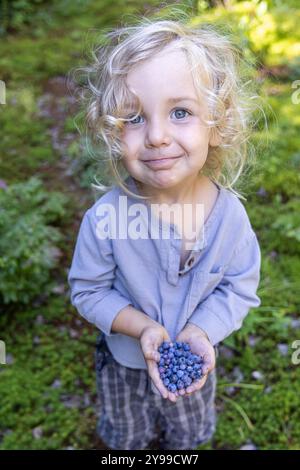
[{"x": 166, "y": 181}]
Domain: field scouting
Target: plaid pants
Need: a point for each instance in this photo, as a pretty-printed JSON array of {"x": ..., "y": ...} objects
[{"x": 130, "y": 412}]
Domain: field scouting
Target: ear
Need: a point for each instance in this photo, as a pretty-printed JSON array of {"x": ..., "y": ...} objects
[{"x": 215, "y": 139}]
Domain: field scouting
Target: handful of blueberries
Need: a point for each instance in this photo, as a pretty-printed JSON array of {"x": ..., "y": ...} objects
[{"x": 178, "y": 366}]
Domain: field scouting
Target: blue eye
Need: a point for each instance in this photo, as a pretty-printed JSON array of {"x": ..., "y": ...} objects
[
  {"x": 134, "y": 121},
  {"x": 181, "y": 110},
  {"x": 178, "y": 110}
]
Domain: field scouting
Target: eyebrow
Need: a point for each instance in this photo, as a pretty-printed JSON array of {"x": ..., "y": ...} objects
[{"x": 181, "y": 98}]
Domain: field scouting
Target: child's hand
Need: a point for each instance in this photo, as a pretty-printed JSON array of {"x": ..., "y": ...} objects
[
  {"x": 199, "y": 343},
  {"x": 150, "y": 339}
]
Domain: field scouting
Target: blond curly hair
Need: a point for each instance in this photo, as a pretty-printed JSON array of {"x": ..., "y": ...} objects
[{"x": 230, "y": 101}]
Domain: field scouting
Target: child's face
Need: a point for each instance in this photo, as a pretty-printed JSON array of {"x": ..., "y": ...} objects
[{"x": 171, "y": 129}]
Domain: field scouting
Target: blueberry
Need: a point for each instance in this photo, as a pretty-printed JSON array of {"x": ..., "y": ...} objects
[
  {"x": 178, "y": 353},
  {"x": 172, "y": 388},
  {"x": 186, "y": 347},
  {"x": 196, "y": 358},
  {"x": 166, "y": 382},
  {"x": 182, "y": 366},
  {"x": 180, "y": 385},
  {"x": 187, "y": 382},
  {"x": 180, "y": 373}
]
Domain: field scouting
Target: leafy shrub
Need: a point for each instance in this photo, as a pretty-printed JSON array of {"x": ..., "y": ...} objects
[
  {"x": 267, "y": 31},
  {"x": 27, "y": 240},
  {"x": 15, "y": 15}
]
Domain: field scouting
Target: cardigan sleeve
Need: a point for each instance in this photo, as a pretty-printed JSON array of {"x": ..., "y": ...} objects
[
  {"x": 91, "y": 277},
  {"x": 224, "y": 310}
]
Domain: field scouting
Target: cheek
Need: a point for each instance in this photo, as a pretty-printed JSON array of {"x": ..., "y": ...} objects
[
  {"x": 194, "y": 138},
  {"x": 130, "y": 144}
]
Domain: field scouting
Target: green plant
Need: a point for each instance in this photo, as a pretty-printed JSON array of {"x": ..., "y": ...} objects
[{"x": 27, "y": 240}]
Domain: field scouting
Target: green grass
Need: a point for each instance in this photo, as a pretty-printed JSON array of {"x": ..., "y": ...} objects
[{"x": 49, "y": 346}]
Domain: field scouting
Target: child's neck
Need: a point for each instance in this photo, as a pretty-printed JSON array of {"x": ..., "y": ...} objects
[{"x": 191, "y": 190}]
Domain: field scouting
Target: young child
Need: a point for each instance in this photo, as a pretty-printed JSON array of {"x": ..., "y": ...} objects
[{"x": 169, "y": 105}]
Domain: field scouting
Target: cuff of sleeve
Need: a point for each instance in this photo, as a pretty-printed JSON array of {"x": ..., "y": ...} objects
[
  {"x": 108, "y": 309},
  {"x": 209, "y": 322}
]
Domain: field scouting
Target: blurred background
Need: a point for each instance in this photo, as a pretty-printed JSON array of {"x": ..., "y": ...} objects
[{"x": 47, "y": 385}]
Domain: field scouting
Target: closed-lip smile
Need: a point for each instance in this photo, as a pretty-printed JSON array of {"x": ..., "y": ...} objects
[
  {"x": 161, "y": 163},
  {"x": 161, "y": 158}
]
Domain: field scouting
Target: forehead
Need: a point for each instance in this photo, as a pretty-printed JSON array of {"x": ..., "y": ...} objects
[{"x": 165, "y": 75}]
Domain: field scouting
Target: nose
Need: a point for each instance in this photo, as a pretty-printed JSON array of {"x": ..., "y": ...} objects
[{"x": 157, "y": 134}]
